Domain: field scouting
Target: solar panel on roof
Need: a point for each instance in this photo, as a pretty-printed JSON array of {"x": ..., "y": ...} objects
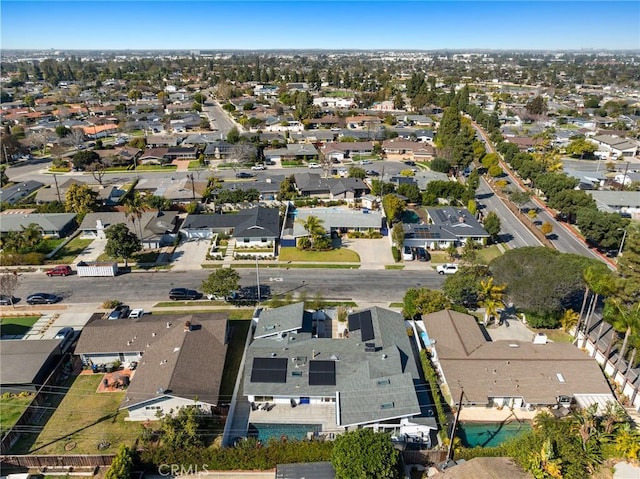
[
  {"x": 269, "y": 370},
  {"x": 354, "y": 321},
  {"x": 322, "y": 373},
  {"x": 366, "y": 326}
]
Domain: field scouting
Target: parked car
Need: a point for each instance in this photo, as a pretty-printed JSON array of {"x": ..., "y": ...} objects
[
  {"x": 136, "y": 313},
  {"x": 314, "y": 165},
  {"x": 447, "y": 268},
  {"x": 365, "y": 162},
  {"x": 43, "y": 298},
  {"x": 120, "y": 311},
  {"x": 243, "y": 174},
  {"x": 62, "y": 270},
  {"x": 422, "y": 254},
  {"x": 6, "y": 300},
  {"x": 184, "y": 294},
  {"x": 67, "y": 336},
  {"x": 407, "y": 254},
  {"x": 269, "y": 162},
  {"x": 409, "y": 163},
  {"x": 258, "y": 167},
  {"x": 372, "y": 173}
]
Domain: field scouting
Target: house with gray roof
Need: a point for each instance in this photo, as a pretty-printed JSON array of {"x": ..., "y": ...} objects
[
  {"x": 616, "y": 146},
  {"x": 509, "y": 373},
  {"x": 338, "y": 220},
  {"x": 615, "y": 201},
  {"x": 25, "y": 365},
  {"x": 368, "y": 375},
  {"x": 253, "y": 227},
  {"x": 53, "y": 225},
  {"x": 108, "y": 195},
  {"x": 458, "y": 222},
  {"x": 313, "y": 184},
  {"x": 180, "y": 359},
  {"x": 154, "y": 228},
  {"x": 19, "y": 191},
  {"x": 296, "y": 151}
]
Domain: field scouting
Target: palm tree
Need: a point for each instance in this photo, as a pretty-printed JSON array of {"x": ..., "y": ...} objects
[
  {"x": 569, "y": 320},
  {"x": 134, "y": 206},
  {"x": 601, "y": 283},
  {"x": 313, "y": 226},
  {"x": 491, "y": 298},
  {"x": 624, "y": 319}
]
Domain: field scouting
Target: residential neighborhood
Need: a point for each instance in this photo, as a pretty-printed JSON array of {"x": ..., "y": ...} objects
[{"x": 220, "y": 255}]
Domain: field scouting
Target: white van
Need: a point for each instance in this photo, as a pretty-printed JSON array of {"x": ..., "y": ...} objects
[
  {"x": 136, "y": 313},
  {"x": 407, "y": 254}
]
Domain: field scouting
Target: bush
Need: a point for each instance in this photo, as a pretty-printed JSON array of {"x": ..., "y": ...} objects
[
  {"x": 395, "y": 253},
  {"x": 441, "y": 165},
  {"x": 111, "y": 303},
  {"x": 16, "y": 259},
  {"x": 548, "y": 321}
]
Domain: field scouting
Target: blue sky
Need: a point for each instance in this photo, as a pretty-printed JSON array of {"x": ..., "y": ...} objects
[{"x": 325, "y": 24}]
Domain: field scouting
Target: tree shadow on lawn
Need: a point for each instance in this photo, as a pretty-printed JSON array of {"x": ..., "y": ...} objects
[{"x": 71, "y": 434}]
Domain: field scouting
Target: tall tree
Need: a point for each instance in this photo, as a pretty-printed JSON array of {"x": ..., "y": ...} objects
[
  {"x": 629, "y": 266},
  {"x": 134, "y": 207},
  {"x": 8, "y": 284},
  {"x": 121, "y": 242},
  {"x": 393, "y": 207},
  {"x": 221, "y": 283},
  {"x": 624, "y": 319},
  {"x": 364, "y": 454},
  {"x": 80, "y": 199}
]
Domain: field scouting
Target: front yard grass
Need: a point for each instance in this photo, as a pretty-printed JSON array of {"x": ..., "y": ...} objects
[
  {"x": 11, "y": 408},
  {"x": 487, "y": 254},
  {"x": 17, "y": 326},
  {"x": 68, "y": 253},
  {"x": 556, "y": 335},
  {"x": 83, "y": 420},
  {"x": 339, "y": 255}
]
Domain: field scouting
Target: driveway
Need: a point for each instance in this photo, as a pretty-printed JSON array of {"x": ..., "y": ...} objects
[
  {"x": 374, "y": 253},
  {"x": 190, "y": 255}
]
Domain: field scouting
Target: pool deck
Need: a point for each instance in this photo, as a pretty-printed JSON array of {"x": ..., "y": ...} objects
[
  {"x": 478, "y": 414},
  {"x": 301, "y": 414}
]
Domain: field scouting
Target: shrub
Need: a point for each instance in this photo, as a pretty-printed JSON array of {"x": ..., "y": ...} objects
[
  {"x": 16, "y": 259},
  {"x": 395, "y": 253},
  {"x": 111, "y": 303},
  {"x": 441, "y": 165},
  {"x": 548, "y": 321}
]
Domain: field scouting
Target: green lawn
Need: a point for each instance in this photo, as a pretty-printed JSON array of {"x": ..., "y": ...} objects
[
  {"x": 86, "y": 418},
  {"x": 556, "y": 335},
  {"x": 143, "y": 257},
  {"x": 439, "y": 257},
  {"x": 340, "y": 255},
  {"x": 156, "y": 168},
  {"x": 17, "y": 326},
  {"x": 487, "y": 254},
  {"x": 11, "y": 408},
  {"x": 69, "y": 252}
]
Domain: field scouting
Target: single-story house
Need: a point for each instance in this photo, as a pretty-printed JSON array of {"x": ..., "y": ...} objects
[
  {"x": 182, "y": 153},
  {"x": 25, "y": 365},
  {"x": 313, "y": 136},
  {"x": 312, "y": 184},
  {"x": 616, "y": 146},
  {"x": 365, "y": 377},
  {"x": 257, "y": 226},
  {"x": 180, "y": 359},
  {"x": 167, "y": 141},
  {"x": 408, "y": 149},
  {"x": 218, "y": 150},
  {"x": 340, "y": 151},
  {"x": 53, "y": 225},
  {"x": 177, "y": 190},
  {"x": 268, "y": 187},
  {"x": 433, "y": 237},
  {"x": 158, "y": 227},
  {"x": 154, "y": 156},
  {"x": 18, "y": 192},
  {"x": 295, "y": 151},
  {"x": 338, "y": 220},
  {"x": 613, "y": 201},
  {"x": 108, "y": 195},
  {"x": 509, "y": 373},
  {"x": 459, "y": 222}
]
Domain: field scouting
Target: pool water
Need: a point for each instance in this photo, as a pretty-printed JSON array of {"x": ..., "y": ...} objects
[
  {"x": 265, "y": 431},
  {"x": 489, "y": 434},
  {"x": 409, "y": 216}
]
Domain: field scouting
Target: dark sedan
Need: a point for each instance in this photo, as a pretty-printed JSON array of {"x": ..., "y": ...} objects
[
  {"x": 243, "y": 175},
  {"x": 184, "y": 294},
  {"x": 43, "y": 298},
  {"x": 6, "y": 300}
]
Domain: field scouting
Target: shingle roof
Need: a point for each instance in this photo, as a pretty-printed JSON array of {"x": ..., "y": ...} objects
[
  {"x": 181, "y": 363},
  {"x": 457, "y": 221},
  {"x": 364, "y": 381},
  {"x": 21, "y": 361},
  {"x": 46, "y": 221},
  {"x": 254, "y": 222},
  {"x": 486, "y": 369}
]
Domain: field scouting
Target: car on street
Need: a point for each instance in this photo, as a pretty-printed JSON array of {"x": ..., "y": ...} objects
[
  {"x": 120, "y": 311},
  {"x": 43, "y": 298},
  {"x": 184, "y": 294},
  {"x": 258, "y": 167},
  {"x": 314, "y": 165},
  {"x": 269, "y": 162},
  {"x": 6, "y": 300},
  {"x": 372, "y": 173},
  {"x": 61, "y": 270},
  {"x": 447, "y": 268},
  {"x": 409, "y": 163},
  {"x": 243, "y": 175}
]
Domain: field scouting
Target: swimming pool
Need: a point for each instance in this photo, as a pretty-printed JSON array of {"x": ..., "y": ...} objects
[
  {"x": 266, "y": 431},
  {"x": 489, "y": 434}
]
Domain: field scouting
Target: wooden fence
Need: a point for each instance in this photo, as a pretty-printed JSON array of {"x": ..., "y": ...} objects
[
  {"x": 424, "y": 458},
  {"x": 56, "y": 462}
]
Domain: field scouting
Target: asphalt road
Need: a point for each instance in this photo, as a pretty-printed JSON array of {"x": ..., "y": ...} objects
[{"x": 367, "y": 286}]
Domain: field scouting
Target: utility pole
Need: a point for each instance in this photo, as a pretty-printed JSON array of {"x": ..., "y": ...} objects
[
  {"x": 258, "y": 280},
  {"x": 453, "y": 429},
  {"x": 55, "y": 180},
  {"x": 193, "y": 188}
]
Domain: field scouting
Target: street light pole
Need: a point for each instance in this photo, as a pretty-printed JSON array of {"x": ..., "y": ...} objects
[{"x": 624, "y": 236}]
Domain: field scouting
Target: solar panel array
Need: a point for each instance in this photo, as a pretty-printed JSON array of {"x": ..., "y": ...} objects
[
  {"x": 366, "y": 326},
  {"x": 322, "y": 373},
  {"x": 269, "y": 370}
]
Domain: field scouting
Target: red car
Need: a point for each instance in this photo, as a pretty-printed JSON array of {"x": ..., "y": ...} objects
[{"x": 63, "y": 270}]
